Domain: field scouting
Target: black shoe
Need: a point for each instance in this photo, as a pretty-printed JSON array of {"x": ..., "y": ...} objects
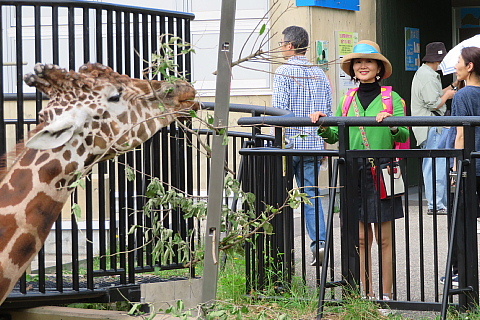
[{"x": 439, "y": 212}]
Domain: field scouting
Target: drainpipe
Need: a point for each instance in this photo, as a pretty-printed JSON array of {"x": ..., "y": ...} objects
[{"x": 217, "y": 174}]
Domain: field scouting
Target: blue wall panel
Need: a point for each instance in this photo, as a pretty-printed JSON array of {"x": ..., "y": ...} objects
[{"x": 336, "y": 4}]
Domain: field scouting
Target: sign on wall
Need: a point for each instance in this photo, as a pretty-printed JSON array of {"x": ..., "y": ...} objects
[
  {"x": 412, "y": 49},
  {"x": 345, "y": 41},
  {"x": 322, "y": 54}
]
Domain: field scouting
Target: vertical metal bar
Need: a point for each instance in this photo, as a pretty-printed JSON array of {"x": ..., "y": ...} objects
[
  {"x": 110, "y": 47},
  {"x": 136, "y": 46},
  {"x": 154, "y": 145},
  {"x": 3, "y": 129},
  {"x": 147, "y": 50},
  {"x": 71, "y": 37},
  {"x": 86, "y": 35},
  {"x": 102, "y": 205},
  {"x": 421, "y": 237},
  {"x": 116, "y": 174},
  {"x": 99, "y": 35},
  {"x": 451, "y": 240},
  {"x": 222, "y": 101},
  {"x": 118, "y": 41},
  {"x": 38, "y": 56},
  {"x": 188, "y": 57},
  {"x": 19, "y": 130},
  {"x": 58, "y": 223},
  {"x": 407, "y": 232},
  {"x": 75, "y": 246},
  {"x": 55, "y": 35},
  {"x": 470, "y": 277},
  {"x": 180, "y": 57},
  {"x": 174, "y": 176},
  {"x": 122, "y": 216},
  {"x": 38, "y": 107},
  {"x": 328, "y": 238}
]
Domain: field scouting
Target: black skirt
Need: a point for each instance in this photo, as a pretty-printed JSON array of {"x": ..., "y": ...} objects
[{"x": 371, "y": 208}]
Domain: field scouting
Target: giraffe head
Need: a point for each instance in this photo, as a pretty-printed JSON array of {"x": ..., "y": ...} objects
[{"x": 103, "y": 112}]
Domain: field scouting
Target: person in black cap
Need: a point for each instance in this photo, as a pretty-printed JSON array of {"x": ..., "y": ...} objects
[{"x": 428, "y": 99}]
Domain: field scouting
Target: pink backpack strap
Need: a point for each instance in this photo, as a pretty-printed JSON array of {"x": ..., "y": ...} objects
[
  {"x": 348, "y": 101},
  {"x": 387, "y": 100}
]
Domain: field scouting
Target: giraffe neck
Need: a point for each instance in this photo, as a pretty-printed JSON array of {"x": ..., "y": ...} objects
[{"x": 32, "y": 195}]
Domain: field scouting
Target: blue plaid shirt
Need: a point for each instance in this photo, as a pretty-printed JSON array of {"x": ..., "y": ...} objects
[{"x": 302, "y": 90}]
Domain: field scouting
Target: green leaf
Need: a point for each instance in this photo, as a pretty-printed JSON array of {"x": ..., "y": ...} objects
[
  {"x": 78, "y": 183},
  {"x": 210, "y": 119},
  {"x": 268, "y": 228},
  {"x": 130, "y": 173},
  {"x": 263, "y": 28},
  {"x": 180, "y": 305},
  {"x": 77, "y": 210},
  {"x": 218, "y": 313},
  {"x": 155, "y": 188},
  {"x": 134, "y": 309}
]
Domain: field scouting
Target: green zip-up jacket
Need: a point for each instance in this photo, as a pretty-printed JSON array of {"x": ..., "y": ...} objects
[{"x": 378, "y": 137}]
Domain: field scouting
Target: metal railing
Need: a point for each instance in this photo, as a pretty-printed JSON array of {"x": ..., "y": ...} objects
[{"x": 420, "y": 241}]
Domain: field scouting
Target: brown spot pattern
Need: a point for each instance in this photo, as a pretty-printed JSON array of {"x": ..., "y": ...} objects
[
  {"x": 88, "y": 140},
  {"x": 142, "y": 133},
  {"x": 133, "y": 116},
  {"x": 49, "y": 171},
  {"x": 100, "y": 142},
  {"x": 67, "y": 155},
  {"x": 123, "y": 117},
  {"x": 71, "y": 167},
  {"x": 80, "y": 150},
  {"x": 23, "y": 249},
  {"x": 7, "y": 229},
  {"x": 29, "y": 157},
  {"x": 21, "y": 182},
  {"x": 42, "y": 211},
  {"x": 42, "y": 158}
]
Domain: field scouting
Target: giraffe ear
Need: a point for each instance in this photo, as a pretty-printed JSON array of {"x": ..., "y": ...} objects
[
  {"x": 51, "y": 137},
  {"x": 59, "y": 131}
]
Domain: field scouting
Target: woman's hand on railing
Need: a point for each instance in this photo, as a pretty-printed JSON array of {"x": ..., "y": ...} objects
[
  {"x": 317, "y": 115},
  {"x": 382, "y": 115}
]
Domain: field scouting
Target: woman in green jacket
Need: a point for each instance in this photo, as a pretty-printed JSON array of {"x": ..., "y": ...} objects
[{"x": 368, "y": 66}]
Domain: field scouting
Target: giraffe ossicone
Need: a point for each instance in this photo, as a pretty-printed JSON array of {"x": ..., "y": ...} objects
[{"x": 92, "y": 115}]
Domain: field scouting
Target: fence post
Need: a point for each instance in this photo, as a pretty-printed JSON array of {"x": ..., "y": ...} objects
[
  {"x": 217, "y": 176},
  {"x": 470, "y": 299}
]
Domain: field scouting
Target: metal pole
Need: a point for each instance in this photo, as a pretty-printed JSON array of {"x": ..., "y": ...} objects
[{"x": 217, "y": 175}]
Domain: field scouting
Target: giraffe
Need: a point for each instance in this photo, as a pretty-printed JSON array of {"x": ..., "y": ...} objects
[{"x": 92, "y": 115}]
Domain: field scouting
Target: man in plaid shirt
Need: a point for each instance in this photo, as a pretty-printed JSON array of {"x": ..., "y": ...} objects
[{"x": 304, "y": 89}]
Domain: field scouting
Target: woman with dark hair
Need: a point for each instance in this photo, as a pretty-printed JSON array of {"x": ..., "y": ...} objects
[
  {"x": 368, "y": 66},
  {"x": 466, "y": 102}
]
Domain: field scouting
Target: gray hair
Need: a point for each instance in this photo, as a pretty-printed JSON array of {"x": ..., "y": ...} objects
[{"x": 298, "y": 37}]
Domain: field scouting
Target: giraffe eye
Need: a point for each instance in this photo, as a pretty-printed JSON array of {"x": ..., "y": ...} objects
[{"x": 115, "y": 98}]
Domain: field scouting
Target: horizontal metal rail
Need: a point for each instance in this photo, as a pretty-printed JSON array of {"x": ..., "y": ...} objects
[{"x": 97, "y": 5}]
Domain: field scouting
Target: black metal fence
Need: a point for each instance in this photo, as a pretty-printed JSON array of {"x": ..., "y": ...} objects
[
  {"x": 421, "y": 249},
  {"x": 93, "y": 256}
]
